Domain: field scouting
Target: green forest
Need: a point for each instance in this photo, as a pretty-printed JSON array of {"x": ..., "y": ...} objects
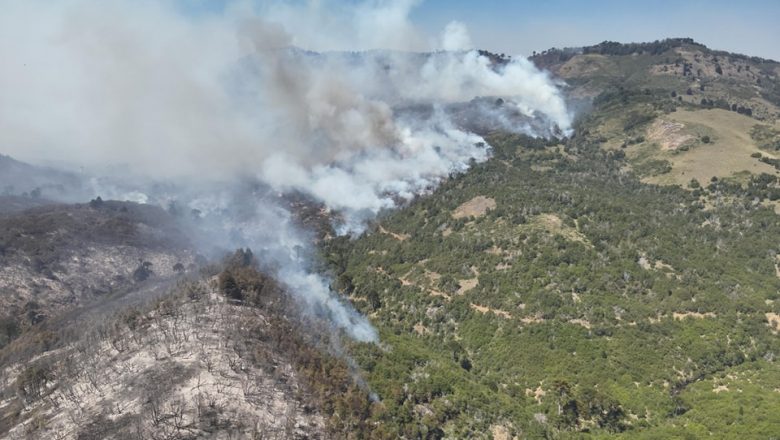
[{"x": 584, "y": 302}]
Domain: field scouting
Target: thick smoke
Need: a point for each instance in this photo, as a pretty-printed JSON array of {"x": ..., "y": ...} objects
[{"x": 275, "y": 93}]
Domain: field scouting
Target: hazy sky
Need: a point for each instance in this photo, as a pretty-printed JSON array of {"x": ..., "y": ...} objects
[
  {"x": 522, "y": 26},
  {"x": 519, "y": 27}
]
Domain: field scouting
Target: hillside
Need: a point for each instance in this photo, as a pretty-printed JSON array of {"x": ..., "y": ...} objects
[
  {"x": 558, "y": 290},
  {"x": 585, "y": 300},
  {"x": 678, "y": 110},
  {"x": 57, "y": 257},
  {"x": 621, "y": 282},
  {"x": 22, "y": 179},
  {"x": 196, "y": 362}
]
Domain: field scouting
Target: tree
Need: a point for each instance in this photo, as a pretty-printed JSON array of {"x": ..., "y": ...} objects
[
  {"x": 568, "y": 413},
  {"x": 373, "y": 299},
  {"x": 33, "y": 380},
  {"x": 229, "y": 287},
  {"x": 143, "y": 271},
  {"x": 96, "y": 203},
  {"x": 241, "y": 258}
]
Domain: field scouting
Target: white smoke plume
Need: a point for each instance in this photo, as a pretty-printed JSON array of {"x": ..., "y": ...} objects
[
  {"x": 250, "y": 217},
  {"x": 271, "y": 91},
  {"x": 456, "y": 37}
]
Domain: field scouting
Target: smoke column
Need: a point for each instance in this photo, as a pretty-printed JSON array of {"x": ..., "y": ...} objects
[{"x": 348, "y": 104}]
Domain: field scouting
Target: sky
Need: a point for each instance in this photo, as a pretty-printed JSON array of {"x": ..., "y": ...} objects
[{"x": 520, "y": 27}]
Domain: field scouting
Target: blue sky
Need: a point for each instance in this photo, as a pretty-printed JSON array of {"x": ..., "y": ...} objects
[
  {"x": 520, "y": 27},
  {"x": 746, "y": 26}
]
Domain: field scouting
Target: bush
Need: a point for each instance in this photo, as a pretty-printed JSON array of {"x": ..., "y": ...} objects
[
  {"x": 32, "y": 382},
  {"x": 636, "y": 119},
  {"x": 229, "y": 287},
  {"x": 9, "y": 329},
  {"x": 96, "y": 203},
  {"x": 143, "y": 272}
]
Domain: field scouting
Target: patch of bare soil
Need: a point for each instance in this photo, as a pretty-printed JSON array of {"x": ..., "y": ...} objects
[
  {"x": 500, "y": 432},
  {"x": 497, "y": 312},
  {"x": 582, "y": 65},
  {"x": 720, "y": 389},
  {"x": 420, "y": 329},
  {"x": 555, "y": 225},
  {"x": 467, "y": 285},
  {"x": 475, "y": 207},
  {"x": 680, "y": 316},
  {"x": 537, "y": 394},
  {"x": 582, "y": 322},
  {"x": 773, "y": 319},
  {"x": 399, "y": 237},
  {"x": 667, "y": 134},
  {"x": 535, "y": 319},
  {"x": 405, "y": 281}
]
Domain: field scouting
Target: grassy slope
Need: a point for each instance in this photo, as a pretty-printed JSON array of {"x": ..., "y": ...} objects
[{"x": 727, "y": 154}]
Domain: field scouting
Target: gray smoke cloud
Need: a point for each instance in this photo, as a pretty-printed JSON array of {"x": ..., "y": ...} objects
[{"x": 348, "y": 104}]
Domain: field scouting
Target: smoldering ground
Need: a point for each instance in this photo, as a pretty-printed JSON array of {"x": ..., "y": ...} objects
[{"x": 347, "y": 104}]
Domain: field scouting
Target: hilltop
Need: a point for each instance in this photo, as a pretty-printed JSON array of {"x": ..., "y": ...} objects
[{"x": 682, "y": 114}]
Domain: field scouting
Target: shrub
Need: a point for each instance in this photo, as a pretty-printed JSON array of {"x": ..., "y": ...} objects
[
  {"x": 143, "y": 272},
  {"x": 32, "y": 382},
  {"x": 636, "y": 119},
  {"x": 96, "y": 203},
  {"x": 229, "y": 287}
]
